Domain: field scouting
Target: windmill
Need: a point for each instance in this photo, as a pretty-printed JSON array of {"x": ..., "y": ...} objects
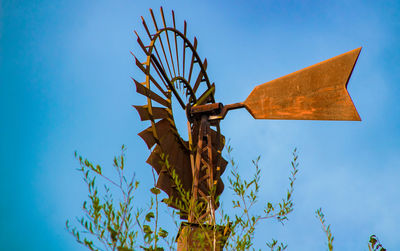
[{"x": 176, "y": 80}]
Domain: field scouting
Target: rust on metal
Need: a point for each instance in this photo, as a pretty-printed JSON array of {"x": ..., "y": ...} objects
[
  {"x": 161, "y": 127},
  {"x": 150, "y": 94},
  {"x": 208, "y": 108},
  {"x": 318, "y": 92},
  {"x": 157, "y": 112},
  {"x": 205, "y": 96},
  {"x": 200, "y": 76}
]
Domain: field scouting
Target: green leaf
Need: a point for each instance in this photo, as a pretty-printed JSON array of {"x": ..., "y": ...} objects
[
  {"x": 147, "y": 229},
  {"x": 113, "y": 233},
  {"x": 372, "y": 240},
  {"x": 155, "y": 191},
  {"x": 149, "y": 216},
  {"x": 98, "y": 169},
  {"x": 163, "y": 233}
]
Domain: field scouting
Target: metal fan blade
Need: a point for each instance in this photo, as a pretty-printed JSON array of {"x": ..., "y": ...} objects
[
  {"x": 220, "y": 187},
  {"x": 165, "y": 182},
  {"x": 318, "y": 92},
  {"x": 157, "y": 112},
  {"x": 152, "y": 80},
  {"x": 174, "y": 151},
  {"x": 141, "y": 44},
  {"x": 147, "y": 135},
  {"x": 155, "y": 160},
  {"x": 140, "y": 88}
]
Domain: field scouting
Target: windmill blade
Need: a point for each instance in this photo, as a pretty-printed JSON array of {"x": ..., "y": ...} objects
[
  {"x": 156, "y": 112},
  {"x": 148, "y": 134},
  {"x": 155, "y": 160},
  {"x": 165, "y": 183},
  {"x": 220, "y": 188},
  {"x": 178, "y": 160},
  {"x": 142, "y": 89},
  {"x": 181, "y": 164},
  {"x": 318, "y": 92}
]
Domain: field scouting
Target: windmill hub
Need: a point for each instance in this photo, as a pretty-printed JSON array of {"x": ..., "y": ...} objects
[{"x": 210, "y": 110}]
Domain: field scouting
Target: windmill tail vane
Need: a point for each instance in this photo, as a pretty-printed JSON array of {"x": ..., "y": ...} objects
[
  {"x": 176, "y": 76},
  {"x": 318, "y": 92}
]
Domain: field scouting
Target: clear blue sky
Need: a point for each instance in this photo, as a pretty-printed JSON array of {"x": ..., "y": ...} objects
[{"x": 65, "y": 85}]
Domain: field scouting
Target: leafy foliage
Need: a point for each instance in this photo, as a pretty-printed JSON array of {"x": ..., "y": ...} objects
[
  {"x": 112, "y": 222},
  {"x": 374, "y": 244},
  {"x": 246, "y": 197},
  {"x": 327, "y": 229},
  {"x": 273, "y": 245}
]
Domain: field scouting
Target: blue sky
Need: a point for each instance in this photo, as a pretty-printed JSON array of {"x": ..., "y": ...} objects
[{"x": 65, "y": 86}]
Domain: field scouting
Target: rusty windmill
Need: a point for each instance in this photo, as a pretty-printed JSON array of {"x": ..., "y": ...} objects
[{"x": 176, "y": 79}]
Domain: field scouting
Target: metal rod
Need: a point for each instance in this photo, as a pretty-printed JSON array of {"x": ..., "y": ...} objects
[
  {"x": 184, "y": 49},
  {"x": 148, "y": 33},
  {"x": 159, "y": 74},
  {"x": 140, "y": 66},
  {"x": 160, "y": 41},
  {"x": 172, "y": 88},
  {"x": 205, "y": 95},
  {"x": 176, "y": 44},
  {"x": 169, "y": 45},
  {"x": 211, "y": 175},
  {"x": 225, "y": 110},
  {"x": 141, "y": 43},
  {"x": 192, "y": 62},
  {"x": 147, "y": 52}
]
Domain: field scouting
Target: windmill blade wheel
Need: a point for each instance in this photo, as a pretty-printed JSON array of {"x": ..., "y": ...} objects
[{"x": 175, "y": 76}]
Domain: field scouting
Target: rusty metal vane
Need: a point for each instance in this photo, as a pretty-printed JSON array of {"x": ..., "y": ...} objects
[{"x": 318, "y": 92}]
